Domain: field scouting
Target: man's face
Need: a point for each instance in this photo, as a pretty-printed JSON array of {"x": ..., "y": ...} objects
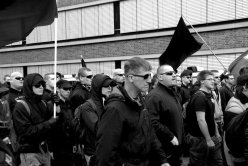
[
  {"x": 38, "y": 89},
  {"x": 167, "y": 76},
  {"x": 120, "y": 77},
  {"x": 186, "y": 80},
  {"x": 230, "y": 80},
  {"x": 51, "y": 81},
  {"x": 179, "y": 82},
  {"x": 16, "y": 81},
  {"x": 141, "y": 80},
  {"x": 216, "y": 79},
  {"x": 87, "y": 78},
  {"x": 208, "y": 83},
  {"x": 64, "y": 92},
  {"x": 106, "y": 91}
]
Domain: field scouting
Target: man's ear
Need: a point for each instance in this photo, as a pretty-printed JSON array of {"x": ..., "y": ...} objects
[
  {"x": 130, "y": 78},
  {"x": 80, "y": 78},
  {"x": 159, "y": 77}
]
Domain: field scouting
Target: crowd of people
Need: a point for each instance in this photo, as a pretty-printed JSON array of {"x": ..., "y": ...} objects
[{"x": 132, "y": 118}]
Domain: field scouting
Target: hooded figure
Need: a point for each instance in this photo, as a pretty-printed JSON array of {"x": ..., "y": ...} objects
[
  {"x": 33, "y": 126},
  {"x": 89, "y": 112}
]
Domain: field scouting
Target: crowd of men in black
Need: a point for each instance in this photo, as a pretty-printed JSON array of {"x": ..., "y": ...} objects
[{"x": 131, "y": 119}]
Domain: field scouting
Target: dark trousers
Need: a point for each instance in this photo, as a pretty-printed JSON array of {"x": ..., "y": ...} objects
[
  {"x": 174, "y": 154},
  {"x": 201, "y": 155}
]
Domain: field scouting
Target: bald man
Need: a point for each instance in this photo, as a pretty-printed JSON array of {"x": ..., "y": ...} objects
[
  {"x": 165, "y": 111},
  {"x": 15, "y": 91},
  {"x": 119, "y": 76}
]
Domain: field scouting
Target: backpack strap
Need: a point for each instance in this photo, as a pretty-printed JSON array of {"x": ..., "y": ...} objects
[
  {"x": 92, "y": 104},
  {"x": 24, "y": 103}
]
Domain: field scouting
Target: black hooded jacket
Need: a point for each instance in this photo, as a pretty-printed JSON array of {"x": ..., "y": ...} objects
[
  {"x": 125, "y": 134},
  {"x": 34, "y": 127},
  {"x": 89, "y": 116}
]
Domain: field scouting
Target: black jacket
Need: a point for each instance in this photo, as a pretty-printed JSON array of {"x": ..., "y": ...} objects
[
  {"x": 185, "y": 93},
  {"x": 89, "y": 114},
  {"x": 13, "y": 96},
  {"x": 166, "y": 114},
  {"x": 63, "y": 139},
  {"x": 79, "y": 95},
  {"x": 225, "y": 94},
  {"x": 34, "y": 127},
  {"x": 119, "y": 137}
]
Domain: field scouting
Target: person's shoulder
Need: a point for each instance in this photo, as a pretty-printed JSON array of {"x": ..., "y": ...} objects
[
  {"x": 198, "y": 96},
  {"x": 223, "y": 88}
]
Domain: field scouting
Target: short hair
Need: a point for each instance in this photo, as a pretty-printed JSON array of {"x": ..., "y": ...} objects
[
  {"x": 4, "y": 77},
  {"x": 243, "y": 70},
  {"x": 58, "y": 74},
  {"x": 203, "y": 74},
  {"x": 134, "y": 65},
  {"x": 46, "y": 76},
  {"x": 12, "y": 75},
  {"x": 117, "y": 71},
  {"x": 242, "y": 81},
  {"x": 81, "y": 71},
  {"x": 160, "y": 68}
]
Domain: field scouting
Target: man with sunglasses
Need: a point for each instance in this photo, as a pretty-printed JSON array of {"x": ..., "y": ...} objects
[
  {"x": 119, "y": 76},
  {"x": 81, "y": 91},
  {"x": 62, "y": 140},
  {"x": 164, "y": 106},
  {"x": 49, "y": 78},
  {"x": 186, "y": 77},
  {"x": 125, "y": 135},
  {"x": 15, "y": 91}
]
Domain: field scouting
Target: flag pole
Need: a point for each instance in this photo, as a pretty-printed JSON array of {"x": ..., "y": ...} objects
[
  {"x": 55, "y": 60},
  {"x": 205, "y": 43}
]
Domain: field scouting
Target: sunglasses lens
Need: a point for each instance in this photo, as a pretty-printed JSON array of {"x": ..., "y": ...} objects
[
  {"x": 43, "y": 84},
  {"x": 19, "y": 78},
  {"x": 89, "y": 76},
  {"x": 146, "y": 76},
  {"x": 37, "y": 85},
  {"x": 66, "y": 89}
]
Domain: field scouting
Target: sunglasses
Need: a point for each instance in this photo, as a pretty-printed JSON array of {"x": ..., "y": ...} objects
[
  {"x": 170, "y": 73},
  {"x": 43, "y": 84},
  {"x": 121, "y": 75},
  {"x": 19, "y": 78},
  {"x": 89, "y": 76},
  {"x": 146, "y": 76},
  {"x": 66, "y": 89}
]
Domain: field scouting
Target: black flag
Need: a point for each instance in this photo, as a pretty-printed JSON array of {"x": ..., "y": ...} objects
[
  {"x": 181, "y": 46},
  {"x": 18, "y": 18}
]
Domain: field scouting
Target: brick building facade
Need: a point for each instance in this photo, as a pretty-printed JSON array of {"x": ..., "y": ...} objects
[{"x": 227, "y": 38}]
